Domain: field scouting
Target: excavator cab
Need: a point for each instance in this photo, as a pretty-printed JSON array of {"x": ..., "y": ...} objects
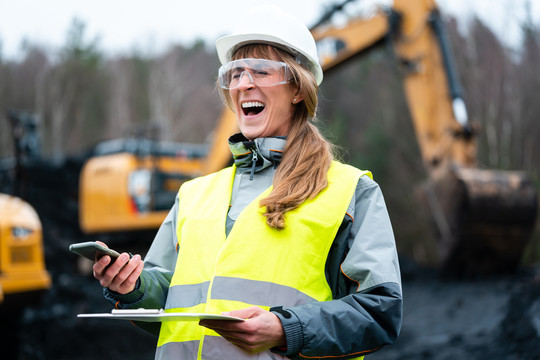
[{"x": 131, "y": 184}]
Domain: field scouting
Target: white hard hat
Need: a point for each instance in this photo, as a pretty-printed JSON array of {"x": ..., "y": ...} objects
[{"x": 270, "y": 25}]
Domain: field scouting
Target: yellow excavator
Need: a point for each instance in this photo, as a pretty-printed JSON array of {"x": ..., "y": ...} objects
[
  {"x": 24, "y": 278},
  {"x": 23, "y": 275},
  {"x": 130, "y": 184},
  {"x": 484, "y": 218}
]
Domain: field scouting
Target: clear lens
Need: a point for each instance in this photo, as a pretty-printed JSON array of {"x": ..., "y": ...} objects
[{"x": 260, "y": 72}]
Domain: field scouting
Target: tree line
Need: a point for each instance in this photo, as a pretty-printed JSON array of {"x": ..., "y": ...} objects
[{"x": 83, "y": 96}]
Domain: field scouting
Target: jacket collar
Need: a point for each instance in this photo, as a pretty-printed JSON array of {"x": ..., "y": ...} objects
[{"x": 267, "y": 152}]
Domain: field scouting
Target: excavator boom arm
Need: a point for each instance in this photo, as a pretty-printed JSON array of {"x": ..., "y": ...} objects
[{"x": 430, "y": 80}]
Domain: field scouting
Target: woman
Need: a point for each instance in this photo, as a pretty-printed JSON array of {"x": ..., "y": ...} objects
[{"x": 297, "y": 244}]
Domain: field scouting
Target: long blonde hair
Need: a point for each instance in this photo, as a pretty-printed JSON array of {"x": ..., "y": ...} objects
[{"x": 307, "y": 156}]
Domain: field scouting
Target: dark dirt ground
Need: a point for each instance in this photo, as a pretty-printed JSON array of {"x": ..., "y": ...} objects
[{"x": 496, "y": 319}]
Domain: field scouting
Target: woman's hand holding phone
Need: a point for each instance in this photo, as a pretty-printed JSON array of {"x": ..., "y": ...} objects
[{"x": 119, "y": 275}]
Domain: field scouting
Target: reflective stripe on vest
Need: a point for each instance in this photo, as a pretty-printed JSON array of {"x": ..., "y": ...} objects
[{"x": 254, "y": 265}]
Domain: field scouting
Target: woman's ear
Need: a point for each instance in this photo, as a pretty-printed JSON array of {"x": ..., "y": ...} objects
[{"x": 297, "y": 97}]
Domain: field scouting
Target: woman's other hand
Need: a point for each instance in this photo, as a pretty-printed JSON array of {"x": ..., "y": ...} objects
[{"x": 260, "y": 331}]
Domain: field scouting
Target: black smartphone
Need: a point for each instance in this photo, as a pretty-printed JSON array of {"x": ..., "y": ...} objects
[{"x": 92, "y": 250}]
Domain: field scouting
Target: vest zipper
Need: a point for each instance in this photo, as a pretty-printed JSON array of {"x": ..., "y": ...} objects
[{"x": 254, "y": 159}]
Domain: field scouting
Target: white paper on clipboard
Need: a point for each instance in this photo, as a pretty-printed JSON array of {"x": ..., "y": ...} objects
[{"x": 155, "y": 315}]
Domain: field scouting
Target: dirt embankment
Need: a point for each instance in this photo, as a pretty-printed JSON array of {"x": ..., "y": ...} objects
[{"x": 483, "y": 319}]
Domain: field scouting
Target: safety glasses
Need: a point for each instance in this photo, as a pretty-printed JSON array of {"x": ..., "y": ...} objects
[{"x": 260, "y": 72}]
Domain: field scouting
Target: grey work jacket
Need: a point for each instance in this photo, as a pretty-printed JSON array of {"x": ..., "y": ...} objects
[{"x": 362, "y": 267}]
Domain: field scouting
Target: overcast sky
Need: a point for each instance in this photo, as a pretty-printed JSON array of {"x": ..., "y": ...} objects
[{"x": 122, "y": 25}]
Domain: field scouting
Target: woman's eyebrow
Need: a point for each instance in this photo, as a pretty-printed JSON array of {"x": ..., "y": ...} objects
[{"x": 238, "y": 67}]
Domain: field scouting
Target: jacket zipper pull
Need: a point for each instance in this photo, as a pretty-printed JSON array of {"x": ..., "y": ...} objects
[{"x": 254, "y": 159}]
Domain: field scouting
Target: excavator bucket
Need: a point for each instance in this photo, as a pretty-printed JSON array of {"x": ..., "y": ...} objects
[{"x": 486, "y": 219}]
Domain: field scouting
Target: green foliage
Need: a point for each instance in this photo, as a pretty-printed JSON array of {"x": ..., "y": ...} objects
[
  {"x": 140, "y": 94},
  {"x": 79, "y": 51},
  {"x": 78, "y": 96}
]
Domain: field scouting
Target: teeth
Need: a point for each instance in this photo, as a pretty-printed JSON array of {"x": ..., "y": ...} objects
[{"x": 252, "y": 104}]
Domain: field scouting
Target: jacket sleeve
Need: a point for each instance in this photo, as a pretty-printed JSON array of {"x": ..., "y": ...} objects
[
  {"x": 153, "y": 284},
  {"x": 368, "y": 315}
]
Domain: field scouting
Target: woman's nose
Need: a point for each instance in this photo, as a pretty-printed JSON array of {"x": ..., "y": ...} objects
[{"x": 246, "y": 81}]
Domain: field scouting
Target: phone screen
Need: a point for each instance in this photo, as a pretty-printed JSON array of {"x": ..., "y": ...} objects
[{"x": 92, "y": 250}]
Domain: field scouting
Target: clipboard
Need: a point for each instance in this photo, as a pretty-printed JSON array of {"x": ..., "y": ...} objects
[{"x": 155, "y": 315}]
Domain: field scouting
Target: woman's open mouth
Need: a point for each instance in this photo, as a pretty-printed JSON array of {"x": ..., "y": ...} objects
[{"x": 252, "y": 108}]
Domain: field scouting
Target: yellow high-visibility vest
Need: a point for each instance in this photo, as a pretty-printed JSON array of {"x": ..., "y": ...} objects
[{"x": 254, "y": 265}]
